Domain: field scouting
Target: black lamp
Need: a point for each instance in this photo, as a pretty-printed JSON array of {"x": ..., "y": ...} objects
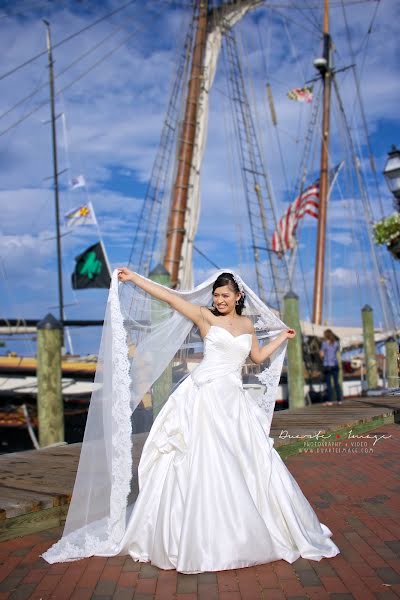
[{"x": 392, "y": 174}]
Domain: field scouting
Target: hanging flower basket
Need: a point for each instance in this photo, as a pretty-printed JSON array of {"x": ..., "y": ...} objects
[{"x": 387, "y": 231}]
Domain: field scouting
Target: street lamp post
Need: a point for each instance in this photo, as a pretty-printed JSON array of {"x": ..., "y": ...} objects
[{"x": 392, "y": 175}]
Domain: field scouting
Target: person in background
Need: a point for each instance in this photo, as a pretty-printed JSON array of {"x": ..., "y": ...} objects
[{"x": 328, "y": 353}]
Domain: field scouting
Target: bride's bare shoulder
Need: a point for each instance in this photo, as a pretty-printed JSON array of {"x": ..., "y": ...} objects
[{"x": 247, "y": 323}]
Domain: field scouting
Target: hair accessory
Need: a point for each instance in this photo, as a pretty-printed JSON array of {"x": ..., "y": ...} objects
[{"x": 238, "y": 282}]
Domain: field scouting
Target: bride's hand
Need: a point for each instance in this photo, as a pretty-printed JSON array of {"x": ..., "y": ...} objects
[
  {"x": 124, "y": 274},
  {"x": 290, "y": 333}
]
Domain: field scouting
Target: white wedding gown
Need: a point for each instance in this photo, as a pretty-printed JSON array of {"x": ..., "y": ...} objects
[{"x": 214, "y": 493}]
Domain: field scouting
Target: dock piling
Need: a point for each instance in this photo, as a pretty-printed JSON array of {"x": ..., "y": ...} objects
[
  {"x": 392, "y": 370},
  {"x": 369, "y": 346},
  {"x": 50, "y": 406},
  {"x": 294, "y": 352}
]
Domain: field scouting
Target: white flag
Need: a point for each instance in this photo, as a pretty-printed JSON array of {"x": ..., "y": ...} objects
[
  {"x": 77, "y": 182},
  {"x": 83, "y": 215}
]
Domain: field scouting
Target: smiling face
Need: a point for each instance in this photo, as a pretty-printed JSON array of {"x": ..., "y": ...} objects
[{"x": 224, "y": 299}]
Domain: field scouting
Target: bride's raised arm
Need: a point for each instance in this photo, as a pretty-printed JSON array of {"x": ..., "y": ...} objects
[
  {"x": 260, "y": 354},
  {"x": 187, "y": 309}
]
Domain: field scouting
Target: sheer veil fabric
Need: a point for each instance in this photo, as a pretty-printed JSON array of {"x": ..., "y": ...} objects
[{"x": 140, "y": 338}]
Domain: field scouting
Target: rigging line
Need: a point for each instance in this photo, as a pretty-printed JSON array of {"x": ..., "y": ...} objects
[
  {"x": 66, "y": 87},
  {"x": 229, "y": 133},
  {"x": 269, "y": 188},
  {"x": 318, "y": 19},
  {"x": 64, "y": 70},
  {"x": 166, "y": 180},
  {"x": 300, "y": 68},
  {"x": 283, "y": 166},
  {"x": 295, "y": 52},
  {"x": 309, "y": 19},
  {"x": 368, "y": 37},
  {"x": 355, "y": 240},
  {"x": 301, "y": 25},
  {"x": 206, "y": 257},
  {"x": 30, "y": 348},
  {"x": 39, "y": 106},
  {"x": 385, "y": 300},
  {"x": 155, "y": 203},
  {"x": 362, "y": 110},
  {"x": 245, "y": 250},
  {"x": 67, "y": 39}
]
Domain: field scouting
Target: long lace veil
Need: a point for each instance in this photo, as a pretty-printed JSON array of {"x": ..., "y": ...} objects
[{"x": 144, "y": 348}]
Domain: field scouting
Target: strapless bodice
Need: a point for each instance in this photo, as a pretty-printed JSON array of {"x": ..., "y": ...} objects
[{"x": 224, "y": 354}]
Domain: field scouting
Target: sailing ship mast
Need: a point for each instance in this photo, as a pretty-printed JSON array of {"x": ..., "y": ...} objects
[
  {"x": 176, "y": 224},
  {"x": 55, "y": 173},
  {"x": 324, "y": 66}
]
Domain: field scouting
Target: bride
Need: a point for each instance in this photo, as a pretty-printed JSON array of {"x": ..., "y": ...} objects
[{"x": 213, "y": 493}]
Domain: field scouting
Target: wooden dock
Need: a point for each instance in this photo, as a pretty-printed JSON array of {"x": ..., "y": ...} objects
[{"x": 36, "y": 485}]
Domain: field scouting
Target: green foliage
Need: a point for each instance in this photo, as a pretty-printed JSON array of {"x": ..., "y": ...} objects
[{"x": 387, "y": 230}]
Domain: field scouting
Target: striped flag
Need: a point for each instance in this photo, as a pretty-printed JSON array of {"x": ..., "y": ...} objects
[
  {"x": 306, "y": 203},
  {"x": 303, "y": 94}
]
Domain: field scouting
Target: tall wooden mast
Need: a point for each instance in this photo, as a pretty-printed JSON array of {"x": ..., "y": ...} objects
[
  {"x": 325, "y": 69},
  {"x": 176, "y": 221},
  {"x": 55, "y": 172}
]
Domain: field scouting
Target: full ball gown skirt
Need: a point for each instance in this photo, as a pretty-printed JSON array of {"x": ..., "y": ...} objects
[{"x": 214, "y": 493}]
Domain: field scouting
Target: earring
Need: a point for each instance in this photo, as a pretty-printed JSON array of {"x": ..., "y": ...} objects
[{"x": 237, "y": 302}]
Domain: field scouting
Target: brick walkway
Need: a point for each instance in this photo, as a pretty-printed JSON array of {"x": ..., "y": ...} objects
[{"x": 356, "y": 494}]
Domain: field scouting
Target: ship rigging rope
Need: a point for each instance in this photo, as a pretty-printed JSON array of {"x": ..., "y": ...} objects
[
  {"x": 275, "y": 127},
  {"x": 67, "y": 39},
  {"x": 362, "y": 109},
  {"x": 370, "y": 153},
  {"x": 367, "y": 38},
  {"x": 243, "y": 256},
  {"x": 385, "y": 300},
  {"x": 269, "y": 188},
  {"x": 29, "y": 347},
  {"x": 312, "y": 21},
  {"x": 71, "y": 83},
  {"x": 64, "y": 70},
  {"x": 165, "y": 180},
  {"x": 351, "y": 213},
  {"x": 147, "y": 243},
  {"x": 298, "y": 23}
]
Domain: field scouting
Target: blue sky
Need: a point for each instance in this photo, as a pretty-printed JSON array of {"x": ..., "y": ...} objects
[{"x": 113, "y": 118}]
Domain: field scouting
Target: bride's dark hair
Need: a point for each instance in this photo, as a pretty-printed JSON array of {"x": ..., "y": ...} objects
[{"x": 227, "y": 279}]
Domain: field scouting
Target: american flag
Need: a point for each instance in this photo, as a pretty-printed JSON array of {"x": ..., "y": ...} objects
[{"x": 306, "y": 203}]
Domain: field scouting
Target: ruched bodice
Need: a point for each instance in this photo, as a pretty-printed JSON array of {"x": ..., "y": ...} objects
[{"x": 224, "y": 354}]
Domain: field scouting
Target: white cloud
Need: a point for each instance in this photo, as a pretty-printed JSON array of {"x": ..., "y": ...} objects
[{"x": 115, "y": 114}]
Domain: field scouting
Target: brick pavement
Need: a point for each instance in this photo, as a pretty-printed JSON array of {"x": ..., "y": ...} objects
[{"x": 355, "y": 494}]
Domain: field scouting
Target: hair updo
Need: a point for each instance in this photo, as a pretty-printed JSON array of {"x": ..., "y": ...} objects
[{"x": 228, "y": 279}]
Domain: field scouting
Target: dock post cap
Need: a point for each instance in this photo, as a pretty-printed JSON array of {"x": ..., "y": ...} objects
[
  {"x": 366, "y": 307},
  {"x": 290, "y": 294},
  {"x": 49, "y": 322},
  {"x": 159, "y": 270}
]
